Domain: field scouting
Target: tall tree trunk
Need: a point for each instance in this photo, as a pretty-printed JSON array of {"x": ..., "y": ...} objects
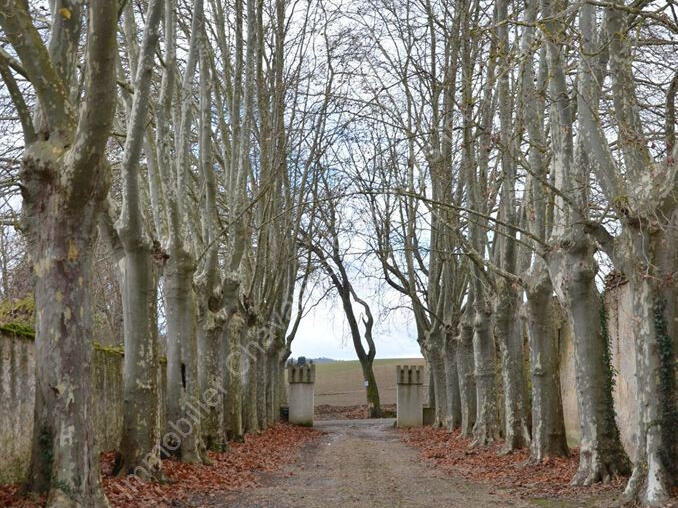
[
  {"x": 453, "y": 419},
  {"x": 139, "y": 453},
  {"x": 436, "y": 363},
  {"x": 573, "y": 271},
  {"x": 467, "y": 380},
  {"x": 548, "y": 425},
  {"x": 487, "y": 428},
  {"x": 509, "y": 334},
  {"x": 654, "y": 471},
  {"x": 64, "y": 181},
  {"x": 182, "y": 375},
  {"x": 210, "y": 376},
  {"x": 233, "y": 378},
  {"x": 572, "y": 268},
  {"x": 64, "y": 459}
]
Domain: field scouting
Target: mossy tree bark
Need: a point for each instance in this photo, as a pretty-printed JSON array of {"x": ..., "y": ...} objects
[
  {"x": 643, "y": 192},
  {"x": 65, "y": 180}
]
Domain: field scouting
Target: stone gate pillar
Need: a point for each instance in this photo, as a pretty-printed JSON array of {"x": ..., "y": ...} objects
[
  {"x": 301, "y": 379},
  {"x": 410, "y": 381}
]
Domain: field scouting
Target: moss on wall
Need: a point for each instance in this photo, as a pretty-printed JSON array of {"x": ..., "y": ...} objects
[
  {"x": 17, "y": 317},
  {"x": 17, "y": 398},
  {"x": 118, "y": 349}
]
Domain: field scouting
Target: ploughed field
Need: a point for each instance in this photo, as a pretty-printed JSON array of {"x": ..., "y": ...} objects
[{"x": 340, "y": 383}]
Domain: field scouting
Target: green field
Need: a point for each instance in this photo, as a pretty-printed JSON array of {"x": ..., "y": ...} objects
[{"x": 341, "y": 383}]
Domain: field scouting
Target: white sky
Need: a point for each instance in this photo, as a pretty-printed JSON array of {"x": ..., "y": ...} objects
[{"x": 324, "y": 332}]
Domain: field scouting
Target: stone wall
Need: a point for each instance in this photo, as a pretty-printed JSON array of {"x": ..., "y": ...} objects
[
  {"x": 17, "y": 396},
  {"x": 619, "y": 319}
]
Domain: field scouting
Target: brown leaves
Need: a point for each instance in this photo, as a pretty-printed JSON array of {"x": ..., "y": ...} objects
[
  {"x": 513, "y": 471},
  {"x": 232, "y": 470},
  {"x": 9, "y": 497}
]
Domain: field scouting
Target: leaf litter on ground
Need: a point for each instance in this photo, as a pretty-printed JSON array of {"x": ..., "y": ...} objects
[
  {"x": 235, "y": 469},
  {"x": 512, "y": 471}
]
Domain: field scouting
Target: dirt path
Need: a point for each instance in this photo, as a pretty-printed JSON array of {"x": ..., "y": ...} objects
[{"x": 363, "y": 463}]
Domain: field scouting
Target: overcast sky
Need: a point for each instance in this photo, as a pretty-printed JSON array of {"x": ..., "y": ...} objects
[{"x": 324, "y": 333}]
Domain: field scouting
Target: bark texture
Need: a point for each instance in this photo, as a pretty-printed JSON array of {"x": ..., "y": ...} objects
[
  {"x": 487, "y": 427},
  {"x": 467, "y": 380},
  {"x": 573, "y": 270},
  {"x": 453, "y": 420},
  {"x": 548, "y": 426},
  {"x": 182, "y": 371},
  {"x": 509, "y": 334},
  {"x": 233, "y": 379},
  {"x": 65, "y": 180},
  {"x": 436, "y": 362}
]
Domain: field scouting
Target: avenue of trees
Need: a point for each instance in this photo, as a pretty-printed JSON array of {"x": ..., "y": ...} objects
[{"x": 189, "y": 177}]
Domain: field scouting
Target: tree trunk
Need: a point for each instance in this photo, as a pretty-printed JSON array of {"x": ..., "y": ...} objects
[
  {"x": 548, "y": 426},
  {"x": 467, "y": 380},
  {"x": 272, "y": 388},
  {"x": 233, "y": 378},
  {"x": 437, "y": 365},
  {"x": 182, "y": 379},
  {"x": 282, "y": 383},
  {"x": 262, "y": 379},
  {"x": 210, "y": 375},
  {"x": 139, "y": 453},
  {"x": 372, "y": 391},
  {"x": 654, "y": 465},
  {"x": 64, "y": 180},
  {"x": 249, "y": 369},
  {"x": 509, "y": 334},
  {"x": 573, "y": 270},
  {"x": 64, "y": 459},
  {"x": 487, "y": 427},
  {"x": 454, "y": 419}
]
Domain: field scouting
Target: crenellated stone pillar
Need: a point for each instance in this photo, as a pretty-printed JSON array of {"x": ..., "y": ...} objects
[
  {"x": 301, "y": 379},
  {"x": 410, "y": 381}
]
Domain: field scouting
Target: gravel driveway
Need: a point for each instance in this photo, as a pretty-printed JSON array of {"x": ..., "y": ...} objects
[{"x": 363, "y": 463}]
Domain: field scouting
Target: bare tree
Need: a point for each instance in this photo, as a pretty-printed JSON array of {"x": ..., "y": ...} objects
[
  {"x": 139, "y": 450},
  {"x": 65, "y": 179}
]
